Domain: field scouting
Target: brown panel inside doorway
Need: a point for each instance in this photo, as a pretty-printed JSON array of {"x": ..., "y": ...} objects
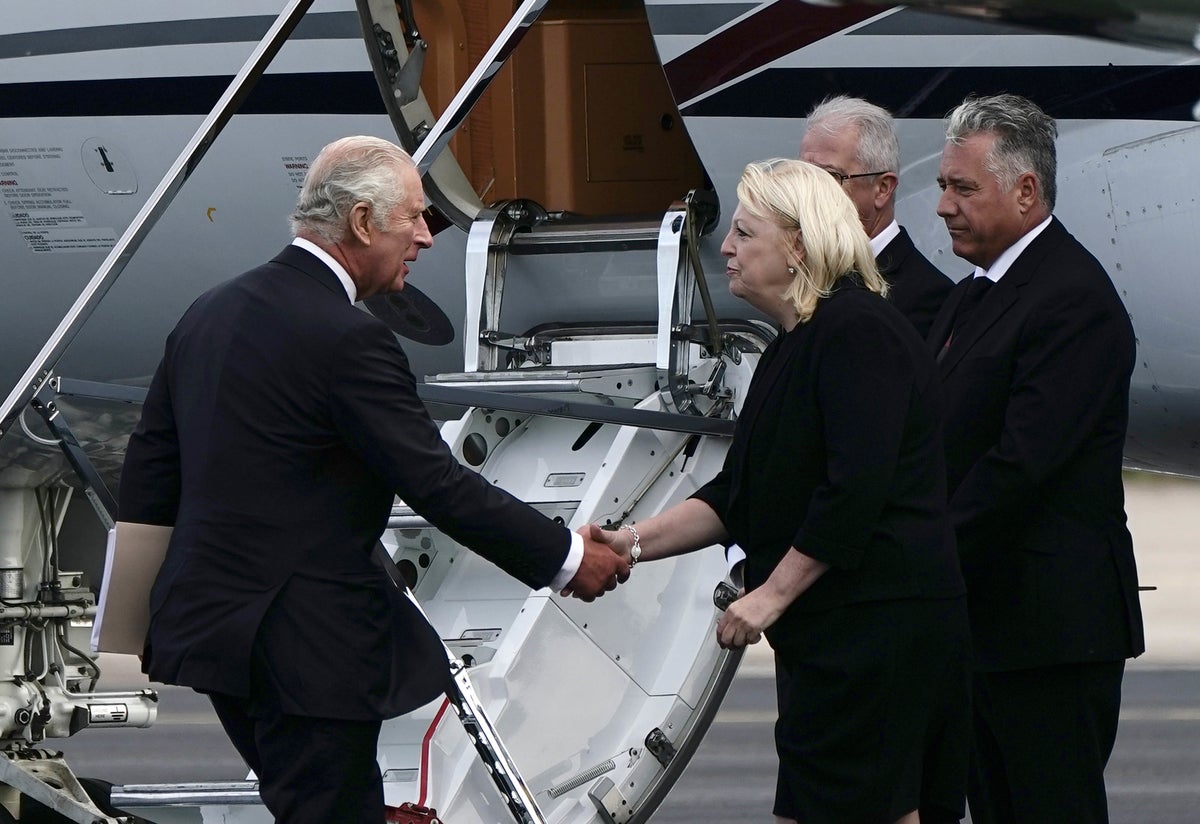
[{"x": 581, "y": 120}]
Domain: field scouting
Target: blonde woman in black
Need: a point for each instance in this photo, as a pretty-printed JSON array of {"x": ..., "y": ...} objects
[{"x": 835, "y": 488}]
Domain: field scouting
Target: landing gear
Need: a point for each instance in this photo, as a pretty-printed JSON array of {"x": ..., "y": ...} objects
[
  {"x": 39, "y": 788},
  {"x": 32, "y": 811}
]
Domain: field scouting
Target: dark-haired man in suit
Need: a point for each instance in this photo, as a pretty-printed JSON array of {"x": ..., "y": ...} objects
[
  {"x": 278, "y": 428},
  {"x": 1035, "y": 351},
  {"x": 855, "y": 141}
]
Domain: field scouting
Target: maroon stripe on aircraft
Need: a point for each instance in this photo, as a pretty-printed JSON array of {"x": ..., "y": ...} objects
[{"x": 770, "y": 33}]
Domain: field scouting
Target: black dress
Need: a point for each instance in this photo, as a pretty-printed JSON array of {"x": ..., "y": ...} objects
[{"x": 838, "y": 452}]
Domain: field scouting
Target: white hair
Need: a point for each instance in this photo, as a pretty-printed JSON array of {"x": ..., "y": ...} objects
[
  {"x": 877, "y": 150},
  {"x": 348, "y": 171}
]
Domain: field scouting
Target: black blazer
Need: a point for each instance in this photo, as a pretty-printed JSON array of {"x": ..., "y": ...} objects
[
  {"x": 278, "y": 427},
  {"x": 1037, "y": 402},
  {"x": 918, "y": 288},
  {"x": 838, "y": 453}
]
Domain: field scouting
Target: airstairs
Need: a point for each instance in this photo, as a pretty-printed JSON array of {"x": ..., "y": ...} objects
[{"x": 562, "y": 711}]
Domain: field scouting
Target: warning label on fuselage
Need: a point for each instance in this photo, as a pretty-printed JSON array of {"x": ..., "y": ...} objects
[{"x": 46, "y": 216}]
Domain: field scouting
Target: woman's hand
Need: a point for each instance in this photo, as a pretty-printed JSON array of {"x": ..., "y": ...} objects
[
  {"x": 746, "y": 618},
  {"x": 744, "y": 621},
  {"x": 619, "y": 540}
]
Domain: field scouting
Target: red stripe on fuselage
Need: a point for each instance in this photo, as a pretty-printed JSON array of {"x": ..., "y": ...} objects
[{"x": 770, "y": 33}]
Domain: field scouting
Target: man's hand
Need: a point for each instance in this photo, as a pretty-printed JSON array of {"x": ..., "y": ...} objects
[
  {"x": 619, "y": 541},
  {"x": 600, "y": 570}
]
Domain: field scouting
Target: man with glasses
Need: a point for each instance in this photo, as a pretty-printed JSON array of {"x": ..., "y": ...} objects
[{"x": 855, "y": 141}]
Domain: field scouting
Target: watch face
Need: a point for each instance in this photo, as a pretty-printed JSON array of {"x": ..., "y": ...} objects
[{"x": 635, "y": 552}]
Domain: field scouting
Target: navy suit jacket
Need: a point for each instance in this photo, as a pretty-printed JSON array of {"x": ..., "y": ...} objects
[
  {"x": 918, "y": 287},
  {"x": 838, "y": 452},
  {"x": 1037, "y": 403},
  {"x": 278, "y": 428}
]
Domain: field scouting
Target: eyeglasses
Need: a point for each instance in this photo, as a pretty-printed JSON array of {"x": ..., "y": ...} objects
[{"x": 841, "y": 178}]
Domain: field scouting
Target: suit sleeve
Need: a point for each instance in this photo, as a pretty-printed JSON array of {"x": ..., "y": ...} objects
[
  {"x": 150, "y": 478},
  {"x": 863, "y": 389},
  {"x": 1071, "y": 371},
  {"x": 375, "y": 407}
]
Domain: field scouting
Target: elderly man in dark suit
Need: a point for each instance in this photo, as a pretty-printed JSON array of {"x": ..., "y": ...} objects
[
  {"x": 278, "y": 428},
  {"x": 855, "y": 141},
  {"x": 1035, "y": 352}
]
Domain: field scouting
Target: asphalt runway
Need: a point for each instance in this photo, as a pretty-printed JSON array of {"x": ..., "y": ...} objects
[{"x": 1154, "y": 774}]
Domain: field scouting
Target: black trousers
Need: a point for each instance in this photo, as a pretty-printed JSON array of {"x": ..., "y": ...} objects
[
  {"x": 1042, "y": 739},
  {"x": 310, "y": 770}
]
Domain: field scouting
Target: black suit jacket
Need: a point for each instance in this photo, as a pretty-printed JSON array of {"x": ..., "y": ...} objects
[
  {"x": 918, "y": 287},
  {"x": 1037, "y": 395},
  {"x": 838, "y": 453},
  {"x": 278, "y": 427}
]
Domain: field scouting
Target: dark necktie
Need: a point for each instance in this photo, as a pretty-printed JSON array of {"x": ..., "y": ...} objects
[{"x": 976, "y": 289}]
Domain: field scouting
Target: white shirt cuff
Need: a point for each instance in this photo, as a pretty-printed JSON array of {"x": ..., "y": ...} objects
[
  {"x": 734, "y": 555},
  {"x": 571, "y": 565}
]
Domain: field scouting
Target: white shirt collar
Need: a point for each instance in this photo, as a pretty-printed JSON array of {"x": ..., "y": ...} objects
[
  {"x": 881, "y": 240},
  {"x": 335, "y": 267},
  {"x": 1010, "y": 255}
]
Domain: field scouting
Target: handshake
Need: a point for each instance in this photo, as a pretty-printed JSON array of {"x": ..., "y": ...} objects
[{"x": 606, "y": 562}]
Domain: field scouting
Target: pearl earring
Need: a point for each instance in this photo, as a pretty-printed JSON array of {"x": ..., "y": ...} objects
[{"x": 791, "y": 270}]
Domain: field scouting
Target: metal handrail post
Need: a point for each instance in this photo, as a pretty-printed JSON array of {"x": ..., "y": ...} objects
[{"x": 493, "y": 60}]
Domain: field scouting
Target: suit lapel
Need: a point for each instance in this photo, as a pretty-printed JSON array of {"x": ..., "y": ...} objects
[
  {"x": 766, "y": 376},
  {"x": 761, "y": 387},
  {"x": 945, "y": 319},
  {"x": 894, "y": 254},
  {"x": 999, "y": 300}
]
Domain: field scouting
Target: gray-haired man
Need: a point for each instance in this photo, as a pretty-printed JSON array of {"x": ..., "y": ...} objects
[
  {"x": 855, "y": 141},
  {"x": 1035, "y": 352}
]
